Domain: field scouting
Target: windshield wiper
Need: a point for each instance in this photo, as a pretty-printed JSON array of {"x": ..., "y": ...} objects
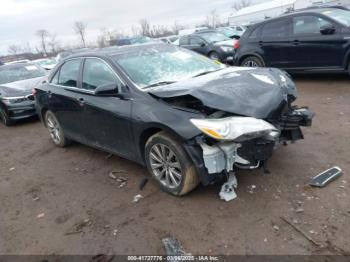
[
  {"x": 207, "y": 72},
  {"x": 160, "y": 83}
]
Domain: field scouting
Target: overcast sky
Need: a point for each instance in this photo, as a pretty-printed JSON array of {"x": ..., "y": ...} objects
[{"x": 19, "y": 19}]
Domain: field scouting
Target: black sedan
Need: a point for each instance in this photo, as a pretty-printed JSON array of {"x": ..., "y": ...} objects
[
  {"x": 184, "y": 116},
  {"x": 211, "y": 43},
  {"x": 17, "y": 82}
]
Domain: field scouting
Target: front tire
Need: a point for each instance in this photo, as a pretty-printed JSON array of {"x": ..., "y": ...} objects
[
  {"x": 170, "y": 165},
  {"x": 214, "y": 56},
  {"x": 252, "y": 61},
  {"x": 5, "y": 118},
  {"x": 55, "y": 129}
]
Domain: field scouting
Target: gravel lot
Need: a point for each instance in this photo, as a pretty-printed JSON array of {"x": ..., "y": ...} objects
[{"x": 46, "y": 194}]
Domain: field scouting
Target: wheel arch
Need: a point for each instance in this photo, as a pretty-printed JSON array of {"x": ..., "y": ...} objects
[
  {"x": 251, "y": 54},
  {"x": 150, "y": 131}
]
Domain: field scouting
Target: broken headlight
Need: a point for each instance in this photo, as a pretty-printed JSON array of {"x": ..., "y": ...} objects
[{"x": 236, "y": 128}]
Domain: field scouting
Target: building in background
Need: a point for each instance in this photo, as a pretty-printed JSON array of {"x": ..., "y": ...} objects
[{"x": 257, "y": 13}]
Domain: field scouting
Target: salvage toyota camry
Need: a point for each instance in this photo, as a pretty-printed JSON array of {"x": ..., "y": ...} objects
[{"x": 189, "y": 119}]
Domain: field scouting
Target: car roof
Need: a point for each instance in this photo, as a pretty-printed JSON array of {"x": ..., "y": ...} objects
[
  {"x": 120, "y": 50},
  {"x": 310, "y": 10}
]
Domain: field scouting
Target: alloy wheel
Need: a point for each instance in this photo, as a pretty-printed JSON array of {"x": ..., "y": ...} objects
[
  {"x": 54, "y": 129},
  {"x": 250, "y": 63},
  {"x": 165, "y": 166}
]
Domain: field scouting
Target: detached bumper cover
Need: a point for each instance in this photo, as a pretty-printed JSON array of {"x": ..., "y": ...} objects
[{"x": 214, "y": 160}]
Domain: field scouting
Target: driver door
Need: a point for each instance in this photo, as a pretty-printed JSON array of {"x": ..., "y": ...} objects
[
  {"x": 198, "y": 45},
  {"x": 106, "y": 119}
]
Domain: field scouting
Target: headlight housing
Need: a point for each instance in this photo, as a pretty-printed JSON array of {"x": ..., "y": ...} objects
[
  {"x": 227, "y": 48},
  {"x": 13, "y": 100},
  {"x": 236, "y": 128}
]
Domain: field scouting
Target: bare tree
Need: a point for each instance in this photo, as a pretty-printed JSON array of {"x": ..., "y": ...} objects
[
  {"x": 80, "y": 29},
  {"x": 43, "y": 34},
  {"x": 14, "y": 49},
  {"x": 240, "y": 4},
  {"x": 145, "y": 27},
  {"x": 212, "y": 20},
  {"x": 53, "y": 43},
  {"x": 176, "y": 28}
]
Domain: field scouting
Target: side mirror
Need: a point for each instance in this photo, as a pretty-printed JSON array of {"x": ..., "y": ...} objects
[
  {"x": 327, "y": 29},
  {"x": 107, "y": 89},
  {"x": 202, "y": 45}
]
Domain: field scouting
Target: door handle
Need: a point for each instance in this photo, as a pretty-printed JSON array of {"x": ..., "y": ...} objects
[
  {"x": 296, "y": 42},
  {"x": 49, "y": 93},
  {"x": 261, "y": 43},
  {"x": 81, "y": 101}
]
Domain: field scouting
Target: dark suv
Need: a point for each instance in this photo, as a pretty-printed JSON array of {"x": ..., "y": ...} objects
[{"x": 310, "y": 40}]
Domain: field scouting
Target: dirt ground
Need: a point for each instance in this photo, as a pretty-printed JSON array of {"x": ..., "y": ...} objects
[{"x": 46, "y": 193}]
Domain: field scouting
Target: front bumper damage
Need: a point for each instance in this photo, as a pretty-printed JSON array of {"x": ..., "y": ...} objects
[{"x": 214, "y": 160}]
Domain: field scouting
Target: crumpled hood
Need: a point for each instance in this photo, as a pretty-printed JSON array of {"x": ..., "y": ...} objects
[
  {"x": 20, "y": 88},
  {"x": 254, "y": 92}
]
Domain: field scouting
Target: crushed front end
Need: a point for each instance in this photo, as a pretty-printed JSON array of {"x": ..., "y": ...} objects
[{"x": 235, "y": 142}]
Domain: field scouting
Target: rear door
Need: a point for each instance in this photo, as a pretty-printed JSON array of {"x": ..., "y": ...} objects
[
  {"x": 275, "y": 43},
  {"x": 312, "y": 49},
  {"x": 106, "y": 119},
  {"x": 63, "y": 97}
]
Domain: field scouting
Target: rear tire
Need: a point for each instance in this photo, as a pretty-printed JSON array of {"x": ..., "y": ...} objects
[
  {"x": 170, "y": 165},
  {"x": 5, "y": 118},
  {"x": 55, "y": 129},
  {"x": 252, "y": 61}
]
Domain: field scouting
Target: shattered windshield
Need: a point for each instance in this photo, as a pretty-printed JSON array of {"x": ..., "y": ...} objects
[
  {"x": 164, "y": 66},
  {"x": 18, "y": 72}
]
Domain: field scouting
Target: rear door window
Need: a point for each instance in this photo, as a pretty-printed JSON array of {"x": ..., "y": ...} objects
[
  {"x": 195, "y": 41},
  {"x": 183, "y": 41},
  {"x": 276, "y": 30},
  {"x": 69, "y": 73},
  {"x": 308, "y": 25},
  {"x": 97, "y": 73}
]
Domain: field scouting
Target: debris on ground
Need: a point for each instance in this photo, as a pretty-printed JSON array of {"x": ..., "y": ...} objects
[
  {"x": 111, "y": 175},
  {"x": 78, "y": 227},
  {"x": 227, "y": 192},
  {"x": 36, "y": 198},
  {"x": 115, "y": 232},
  {"x": 251, "y": 189},
  {"x": 173, "y": 247},
  {"x": 11, "y": 169},
  {"x": 275, "y": 227},
  {"x": 102, "y": 258},
  {"x": 120, "y": 179},
  {"x": 143, "y": 183},
  {"x": 327, "y": 176},
  {"x": 299, "y": 210},
  {"x": 108, "y": 156},
  {"x": 41, "y": 215},
  {"x": 299, "y": 230},
  {"x": 137, "y": 198}
]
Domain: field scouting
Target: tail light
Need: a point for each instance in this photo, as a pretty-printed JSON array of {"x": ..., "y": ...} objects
[{"x": 236, "y": 44}]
